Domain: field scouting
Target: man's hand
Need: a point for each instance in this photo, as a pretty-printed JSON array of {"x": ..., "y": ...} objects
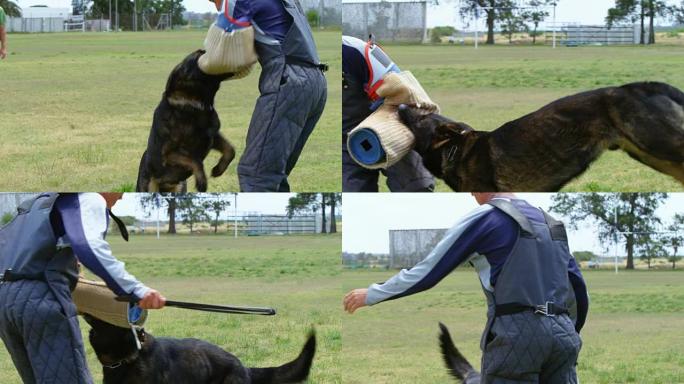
[
  {"x": 152, "y": 300},
  {"x": 355, "y": 299},
  {"x": 3, "y": 52}
]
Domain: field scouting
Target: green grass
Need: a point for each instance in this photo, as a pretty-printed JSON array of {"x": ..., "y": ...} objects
[
  {"x": 492, "y": 85},
  {"x": 633, "y": 333},
  {"x": 77, "y": 109},
  {"x": 302, "y": 283}
]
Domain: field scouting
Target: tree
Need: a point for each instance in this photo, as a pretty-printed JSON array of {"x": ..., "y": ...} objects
[
  {"x": 308, "y": 202},
  {"x": 651, "y": 249},
  {"x": 633, "y": 10},
  {"x": 675, "y": 240},
  {"x": 537, "y": 14},
  {"x": 583, "y": 255},
  {"x": 192, "y": 209},
  {"x": 334, "y": 200},
  {"x": 677, "y": 13},
  {"x": 437, "y": 33},
  {"x": 11, "y": 8},
  {"x": 152, "y": 9},
  {"x": 216, "y": 204},
  {"x": 512, "y": 22},
  {"x": 158, "y": 201},
  {"x": 473, "y": 8},
  {"x": 635, "y": 215}
]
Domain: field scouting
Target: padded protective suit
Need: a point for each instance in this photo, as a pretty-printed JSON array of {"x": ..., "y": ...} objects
[
  {"x": 524, "y": 345},
  {"x": 293, "y": 95},
  {"x": 38, "y": 320}
]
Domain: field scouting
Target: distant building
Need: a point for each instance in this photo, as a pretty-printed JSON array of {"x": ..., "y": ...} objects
[
  {"x": 395, "y": 20},
  {"x": 39, "y": 19},
  {"x": 409, "y": 246}
]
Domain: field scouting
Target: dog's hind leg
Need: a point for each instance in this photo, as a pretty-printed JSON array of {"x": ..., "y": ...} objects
[
  {"x": 196, "y": 167},
  {"x": 142, "y": 182},
  {"x": 227, "y": 154},
  {"x": 672, "y": 168}
]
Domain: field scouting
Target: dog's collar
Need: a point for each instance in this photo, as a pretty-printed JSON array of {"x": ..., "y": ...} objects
[
  {"x": 451, "y": 154},
  {"x": 140, "y": 338},
  {"x": 129, "y": 359}
]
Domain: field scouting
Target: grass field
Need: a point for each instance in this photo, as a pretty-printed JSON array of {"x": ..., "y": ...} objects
[
  {"x": 492, "y": 85},
  {"x": 77, "y": 109},
  {"x": 298, "y": 275},
  {"x": 634, "y": 333}
]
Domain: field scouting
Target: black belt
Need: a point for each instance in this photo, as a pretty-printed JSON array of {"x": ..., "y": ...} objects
[
  {"x": 10, "y": 276},
  {"x": 547, "y": 309},
  {"x": 322, "y": 66}
]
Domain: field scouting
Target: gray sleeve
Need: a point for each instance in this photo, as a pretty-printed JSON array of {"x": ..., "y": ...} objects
[{"x": 403, "y": 281}]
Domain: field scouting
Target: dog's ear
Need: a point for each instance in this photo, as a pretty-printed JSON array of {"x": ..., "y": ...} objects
[{"x": 446, "y": 130}]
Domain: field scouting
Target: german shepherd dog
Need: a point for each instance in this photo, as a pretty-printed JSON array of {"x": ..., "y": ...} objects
[
  {"x": 456, "y": 363},
  {"x": 546, "y": 149},
  {"x": 185, "y": 128},
  {"x": 181, "y": 361}
]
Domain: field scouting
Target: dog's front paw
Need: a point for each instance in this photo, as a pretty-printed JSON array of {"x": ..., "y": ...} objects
[
  {"x": 218, "y": 170},
  {"x": 201, "y": 185}
]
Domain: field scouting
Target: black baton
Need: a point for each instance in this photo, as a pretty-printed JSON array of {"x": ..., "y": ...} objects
[{"x": 209, "y": 307}]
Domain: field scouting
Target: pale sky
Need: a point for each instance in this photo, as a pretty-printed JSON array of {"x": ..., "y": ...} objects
[
  {"x": 369, "y": 217},
  {"x": 265, "y": 203},
  {"x": 588, "y": 12},
  {"x": 582, "y": 11}
]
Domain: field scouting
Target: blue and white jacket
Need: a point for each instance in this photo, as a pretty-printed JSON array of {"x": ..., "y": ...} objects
[
  {"x": 485, "y": 238},
  {"x": 83, "y": 227}
]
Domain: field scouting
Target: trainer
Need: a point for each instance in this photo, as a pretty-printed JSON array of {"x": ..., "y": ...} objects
[
  {"x": 292, "y": 91},
  {"x": 360, "y": 78},
  {"x": 536, "y": 296},
  {"x": 39, "y": 251},
  {"x": 3, "y": 34}
]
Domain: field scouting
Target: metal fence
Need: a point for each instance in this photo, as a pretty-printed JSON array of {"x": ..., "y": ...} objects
[
  {"x": 403, "y": 21},
  {"x": 575, "y": 35},
  {"x": 329, "y": 11},
  {"x": 408, "y": 247},
  {"x": 245, "y": 225},
  {"x": 35, "y": 24}
]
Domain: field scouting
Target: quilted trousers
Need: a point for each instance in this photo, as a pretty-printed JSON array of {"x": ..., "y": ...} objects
[
  {"x": 281, "y": 124},
  {"x": 42, "y": 337},
  {"x": 529, "y": 348}
]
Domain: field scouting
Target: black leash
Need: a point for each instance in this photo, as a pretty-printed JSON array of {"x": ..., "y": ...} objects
[
  {"x": 120, "y": 224},
  {"x": 211, "y": 308}
]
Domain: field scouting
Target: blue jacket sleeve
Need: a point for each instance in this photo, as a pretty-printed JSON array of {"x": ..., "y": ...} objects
[
  {"x": 85, "y": 221},
  {"x": 581, "y": 294}
]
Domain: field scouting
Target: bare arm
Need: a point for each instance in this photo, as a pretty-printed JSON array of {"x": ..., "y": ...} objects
[{"x": 3, "y": 42}]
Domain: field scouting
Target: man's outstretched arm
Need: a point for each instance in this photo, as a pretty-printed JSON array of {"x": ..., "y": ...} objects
[{"x": 455, "y": 248}]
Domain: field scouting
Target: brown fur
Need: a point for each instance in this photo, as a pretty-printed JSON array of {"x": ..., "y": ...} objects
[
  {"x": 548, "y": 148},
  {"x": 185, "y": 128}
]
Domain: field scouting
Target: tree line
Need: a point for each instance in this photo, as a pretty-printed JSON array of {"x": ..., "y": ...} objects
[
  {"x": 629, "y": 217},
  {"x": 512, "y": 16},
  {"x": 194, "y": 208}
]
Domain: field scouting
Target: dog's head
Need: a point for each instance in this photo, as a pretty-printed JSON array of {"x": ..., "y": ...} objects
[
  {"x": 112, "y": 344},
  {"x": 188, "y": 76},
  {"x": 438, "y": 138}
]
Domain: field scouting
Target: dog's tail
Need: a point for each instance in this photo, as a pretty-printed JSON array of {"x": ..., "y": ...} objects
[
  {"x": 295, "y": 371},
  {"x": 457, "y": 364}
]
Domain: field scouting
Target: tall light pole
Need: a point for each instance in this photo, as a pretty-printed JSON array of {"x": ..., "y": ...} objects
[
  {"x": 110, "y": 15},
  {"x": 235, "y": 214},
  {"x": 554, "y": 32},
  {"x": 116, "y": 10}
]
